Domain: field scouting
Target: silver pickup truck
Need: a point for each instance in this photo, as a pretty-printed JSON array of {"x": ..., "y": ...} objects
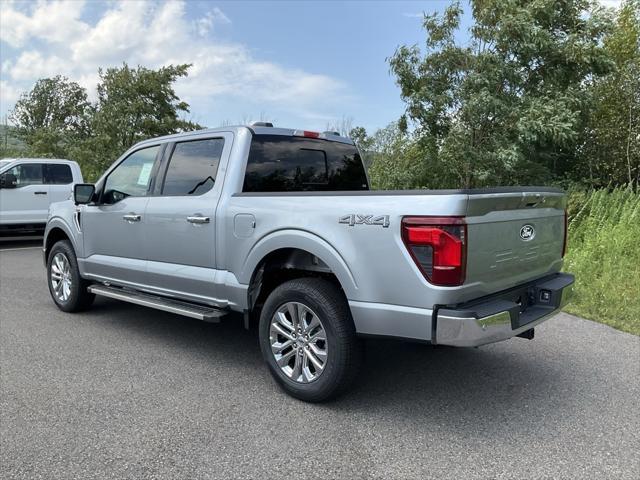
[{"x": 280, "y": 226}]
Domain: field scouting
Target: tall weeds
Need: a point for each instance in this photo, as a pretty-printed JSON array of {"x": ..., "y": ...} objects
[{"x": 604, "y": 255}]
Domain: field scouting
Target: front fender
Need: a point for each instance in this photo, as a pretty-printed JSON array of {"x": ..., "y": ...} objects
[
  {"x": 61, "y": 216},
  {"x": 303, "y": 240}
]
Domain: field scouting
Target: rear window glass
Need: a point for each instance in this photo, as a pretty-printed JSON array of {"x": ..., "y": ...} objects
[
  {"x": 57, "y": 174},
  {"x": 279, "y": 163}
]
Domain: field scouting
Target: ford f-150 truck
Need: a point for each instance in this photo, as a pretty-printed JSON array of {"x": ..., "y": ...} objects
[
  {"x": 281, "y": 226},
  {"x": 27, "y": 187}
]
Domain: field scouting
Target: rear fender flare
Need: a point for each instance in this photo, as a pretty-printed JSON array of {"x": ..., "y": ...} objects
[{"x": 302, "y": 240}]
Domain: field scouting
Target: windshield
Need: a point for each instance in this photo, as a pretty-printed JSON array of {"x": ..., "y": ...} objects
[{"x": 4, "y": 163}]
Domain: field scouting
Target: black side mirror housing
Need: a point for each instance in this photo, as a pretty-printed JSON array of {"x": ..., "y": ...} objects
[
  {"x": 8, "y": 180},
  {"x": 83, "y": 193}
]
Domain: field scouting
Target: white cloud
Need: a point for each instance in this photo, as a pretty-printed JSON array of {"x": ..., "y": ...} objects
[
  {"x": 32, "y": 64},
  {"x": 8, "y": 95},
  {"x": 153, "y": 34},
  {"x": 56, "y": 22},
  {"x": 413, "y": 15},
  {"x": 205, "y": 24}
]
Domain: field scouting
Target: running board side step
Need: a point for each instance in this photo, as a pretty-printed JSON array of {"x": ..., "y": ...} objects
[{"x": 192, "y": 310}]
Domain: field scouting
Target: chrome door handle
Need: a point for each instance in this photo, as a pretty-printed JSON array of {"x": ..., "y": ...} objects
[
  {"x": 132, "y": 217},
  {"x": 198, "y": 219}
]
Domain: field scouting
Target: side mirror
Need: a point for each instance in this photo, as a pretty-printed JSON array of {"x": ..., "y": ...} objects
[
  {"x": 8, "y": 180},
  {"x": 83, "y": 193}
]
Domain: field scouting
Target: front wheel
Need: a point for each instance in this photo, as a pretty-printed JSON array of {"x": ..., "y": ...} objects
[
  {"x": 68, "y": 289},
  {"x": 308, "y": 339}
]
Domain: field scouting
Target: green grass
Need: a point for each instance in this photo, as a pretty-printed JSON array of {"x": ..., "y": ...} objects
[{"x": 604, "y": 255}]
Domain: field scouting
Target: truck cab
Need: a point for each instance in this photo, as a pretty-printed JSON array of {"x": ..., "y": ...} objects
[{"x": 28, "y": 186}]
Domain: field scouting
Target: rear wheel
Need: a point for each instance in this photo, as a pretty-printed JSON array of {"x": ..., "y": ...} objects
[
  {"x": 68, "y": 289},
  {"x": 308, "y": 339}
]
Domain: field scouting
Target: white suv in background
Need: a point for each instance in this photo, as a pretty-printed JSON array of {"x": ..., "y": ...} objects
[{"x": 27, "y": 187}]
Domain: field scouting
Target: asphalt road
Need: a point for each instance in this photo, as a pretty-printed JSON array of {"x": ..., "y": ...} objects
[{"x": 126, "y": 392}]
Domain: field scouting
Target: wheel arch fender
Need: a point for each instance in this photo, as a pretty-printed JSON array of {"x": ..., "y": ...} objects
[
  {"x": 301, "y": 240},
  {"x": 56, "y": 230}
]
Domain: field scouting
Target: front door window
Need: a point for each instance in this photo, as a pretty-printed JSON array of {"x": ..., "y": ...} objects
[
  {"x": 27, "y": 174},
  {"x": 132, "y": 178}
]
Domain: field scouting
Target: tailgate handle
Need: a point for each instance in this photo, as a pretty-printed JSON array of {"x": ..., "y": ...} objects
[{"x": 532, "y": 200}]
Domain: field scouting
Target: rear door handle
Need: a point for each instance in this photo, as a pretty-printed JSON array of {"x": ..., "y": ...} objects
[
  {"x": 39, "y": 193},
  {"x": 132, "y": 217},
  {"x": 198, "y": 219}
]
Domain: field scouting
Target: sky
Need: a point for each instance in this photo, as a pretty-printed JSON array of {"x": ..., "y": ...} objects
[{"x": 301, "y": 64}]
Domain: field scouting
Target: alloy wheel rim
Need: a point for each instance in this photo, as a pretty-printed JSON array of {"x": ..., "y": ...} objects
[
  {"x": 298, "y": 342},
  {"x": 61, "y": 277}
]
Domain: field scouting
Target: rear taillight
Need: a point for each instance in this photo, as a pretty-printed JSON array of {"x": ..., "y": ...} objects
[
  {"x": 438, "y": 245},
  {"x": 566, "y": 228}
]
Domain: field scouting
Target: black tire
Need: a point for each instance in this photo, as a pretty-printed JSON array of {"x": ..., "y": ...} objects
[
  {"x": 78, "y": 297},
  {"x": 344, "y": 349}
]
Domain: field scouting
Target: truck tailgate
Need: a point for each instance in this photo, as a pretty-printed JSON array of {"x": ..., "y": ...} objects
[{"x": 513, "y": 238}]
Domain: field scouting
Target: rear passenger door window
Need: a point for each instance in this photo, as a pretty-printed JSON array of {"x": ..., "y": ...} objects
[
  {"x": 193, "y": 167},
  {"x": 57, "y": 174}
]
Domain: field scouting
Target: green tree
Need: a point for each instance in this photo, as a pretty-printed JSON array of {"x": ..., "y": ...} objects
[
  {"x": 56, "y": 119},
  {"x": 611, "y": 152},
  {"x": 10, "y": 144},
  {"x": 508, "y": 107},
  {"x": 363, "y": 142},
  {"x": 52, "y": 116},
  {"x": 395, "y": 160},
  {"x": 134, "y": 104}
]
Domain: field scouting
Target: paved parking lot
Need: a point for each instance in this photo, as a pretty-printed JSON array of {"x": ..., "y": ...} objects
[{"x": 125, "y": 392}]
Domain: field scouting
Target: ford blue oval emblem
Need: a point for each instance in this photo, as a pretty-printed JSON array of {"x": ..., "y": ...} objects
[{"x": 527, "y": 232}]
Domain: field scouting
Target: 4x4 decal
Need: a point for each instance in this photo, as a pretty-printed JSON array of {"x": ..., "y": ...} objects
[{"x": 357, "y": 219}]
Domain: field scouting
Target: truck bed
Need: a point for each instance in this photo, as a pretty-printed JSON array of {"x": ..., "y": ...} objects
[{"x": 378, "y": 262}]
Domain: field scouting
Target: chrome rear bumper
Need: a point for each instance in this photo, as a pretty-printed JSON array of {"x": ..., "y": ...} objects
[{"x": 504, "y": 317}]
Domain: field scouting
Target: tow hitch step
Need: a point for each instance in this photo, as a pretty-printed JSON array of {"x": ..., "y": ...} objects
[{"x": 192, "y": 310}]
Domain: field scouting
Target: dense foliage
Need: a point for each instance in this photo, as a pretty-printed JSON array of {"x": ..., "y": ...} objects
[
  {"x": 545, "y": 91},
  {"x": 52, "y": 117},
  {"x": 611, "y": 149},
  {"x": 603, "y": 254}
]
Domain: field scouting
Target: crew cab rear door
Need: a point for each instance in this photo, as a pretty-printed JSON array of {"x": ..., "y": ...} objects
[
  {"x": 180, "y": 228},
  {"x": 59, "y": 179}
]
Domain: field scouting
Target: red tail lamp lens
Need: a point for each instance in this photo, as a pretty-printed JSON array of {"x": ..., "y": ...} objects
[{"x": 438, "y": 246}]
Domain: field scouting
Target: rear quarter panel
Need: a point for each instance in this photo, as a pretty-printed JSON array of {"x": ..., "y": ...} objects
[{"x": 370, "y": 261}]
